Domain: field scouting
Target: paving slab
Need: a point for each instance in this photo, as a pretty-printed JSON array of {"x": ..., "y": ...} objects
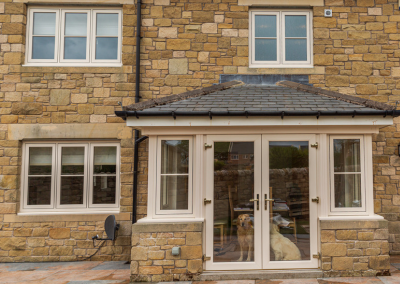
[{"x": 112, "y": 265}]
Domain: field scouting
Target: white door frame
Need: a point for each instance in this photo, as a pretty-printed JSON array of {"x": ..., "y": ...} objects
[
  {"x": 209, "y": 212},
  {"x": 261, "y": 217},
  {"x": 313, "y": 262}
]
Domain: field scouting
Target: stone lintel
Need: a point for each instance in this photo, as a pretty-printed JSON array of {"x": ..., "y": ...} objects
[
  {"x": 55, "y": 69},
  {"x": 281, "y": 3},
  {"x": 65, "y": 131},
  {"x": 343, "y": 224},
  {"x": 167, "y": 227},
  {"x": 97, "y": 2}
]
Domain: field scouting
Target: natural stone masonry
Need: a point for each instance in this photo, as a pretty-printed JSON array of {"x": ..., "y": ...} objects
[
  {"x": 152, "y": 259},
  {"x": 354, "y": 248}
]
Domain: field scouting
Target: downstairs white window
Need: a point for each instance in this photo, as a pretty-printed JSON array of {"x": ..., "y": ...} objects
[{"x": 70, "y": 176}]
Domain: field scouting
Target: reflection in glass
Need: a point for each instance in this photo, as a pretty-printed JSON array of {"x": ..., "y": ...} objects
[
  {"x": 265, "y": 26},
  {"x": 72, "y": 160},
  {"x": 174, "y": 192},
  {"x": 265, "y": 49},
  {"x": 44, "y": 23},
  {"x": 296, "y": 49},
  {"x": 107, "y": 48},
  {"x": 43, "y": 47},
  {"x": 175, "y": 156},
  {"x": 295, "y": 26},
  {"x": 104, "y": 189},
  {"x": 233, "y": 210},
  {"x": 107, "y": 24},
  {"x": 39, "y": 190},
  {"x": 347, "y": 190},
  {"x": 40, "y": 159},
  {"x": 74, "y": 48},
  {"x": 104, "y": 175},
  {"x": 71, "y": 190},
  {"x": 346, "y": 155},
  {"x": 289, "y": 213},
  {"x": 75, "y": 24}
]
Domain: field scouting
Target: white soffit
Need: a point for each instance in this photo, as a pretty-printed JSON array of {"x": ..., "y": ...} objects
[{"x": 258, "y": 121}]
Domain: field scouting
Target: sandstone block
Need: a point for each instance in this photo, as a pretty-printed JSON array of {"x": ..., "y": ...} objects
[
  {"x": 191, "y": 252},
  {"x": 342, "y": 263},
  {"x": 150, "y": 270},
  {"x": 361, "y": 68},
  {"x": 139, "y": 253},
  {"x": 323, "y": 59},
  {"x": 203, "y": 17},
  {"x": 8, "y": 208},
  {"x": 12, "y": 243},
  {"x": 337, "y": 81},
  {"x": 178, "y": 66},
  {"x": 101, "y": 92},
  {"x": 79, "y": 98},
  {"x": 363, "y": 89},
  {"x": 36, "y": 242},
  {"x": 195, "y": 266},
  {"x": 94, "y": 82},
  {"x": 40, "y": 232},
  {"x": 61, "y": 250},
  {"x": 209, "y": 28},
  {"x": 60, "y": 233},
  {"x": 85, "y": 108},
  {"x": 333, "y": 249},
  {"x": 26, "y": 108},
  {"x": 22, "y": 232},
  {"x": 77, "y": 118},
  {"x": 346, "y": 235},
  {"x": 178, "y": 44},
  {"x": 168, "y": 32},
  {"x": 321, "y": 22},
  {"x": 11, "y": 58},
  {"x": 60, "y": 97},
  {"x": 156, "y": 254},
  {"x": 379, "y": 262},
  {"x": 193, "y": 238}
]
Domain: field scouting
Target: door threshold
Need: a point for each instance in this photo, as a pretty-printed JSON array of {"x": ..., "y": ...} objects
[{"x": 261, "y": 274}]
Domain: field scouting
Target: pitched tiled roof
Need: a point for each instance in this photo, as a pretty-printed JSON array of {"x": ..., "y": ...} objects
[{"x": 238, "y": 98}]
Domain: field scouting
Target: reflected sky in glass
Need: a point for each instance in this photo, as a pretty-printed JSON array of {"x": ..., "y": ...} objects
[
  {"x": 44, "y": 23},
  {"x": 295, "y": 26},
  {"x": 265, "y": 26},
  {"x": 75, "y": 48},
  {"x": 107, "y": 48},
  {"x": 75, "y": 24},
  {"x": 296, "y": 49},
  {"x": 107, "y": 25},
  {"x": 43, "y": 47},
  {"x": 265, "y": 49}
]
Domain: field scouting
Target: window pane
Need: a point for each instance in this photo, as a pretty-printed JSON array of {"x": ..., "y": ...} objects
[
  {"x": 295, "y": 26},
  {"x": 107, "y": 48},
  {"x": 104, "y": 189},
  {"x": 174, "y": 156},
  {"x": 107, "y": 25},
  {"x": 346, "y": 155},
  {"x": 265, "y": 50},
  {"x": 43, "y": 47},
  {"x": 347, "y": 190},
  {"x": 105, "y": 160},
  {"x": 296, "y": 49},
  {"x": 40, "y": 159},
  {"x": 75, "y": 48},
  {"x": 44, "y": 23},
  {"x": 75, "y": 24},
  {"x": 39, "y": 190},
  {"x": 72, "y": 160},
  {"x": 72, "y": 190},
  {"x": 174, "y": 192},
  {"x": 265, "y": 26}
]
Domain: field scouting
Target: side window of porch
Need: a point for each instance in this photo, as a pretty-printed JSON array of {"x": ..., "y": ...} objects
[
  {"x": 174, "y": 176},
  {"x": 347, "y": 174}
]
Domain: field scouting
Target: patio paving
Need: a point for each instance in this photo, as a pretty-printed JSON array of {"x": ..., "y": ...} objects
[{"x": 118, "y": 272}]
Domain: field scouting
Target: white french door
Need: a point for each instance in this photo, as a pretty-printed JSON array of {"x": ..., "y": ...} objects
[{"x": 259, "y": 213}]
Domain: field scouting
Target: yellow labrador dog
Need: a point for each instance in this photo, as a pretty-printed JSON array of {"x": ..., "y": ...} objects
[
  {"x": 282, "y": 247},
  {"x": 245, "y": 234}
]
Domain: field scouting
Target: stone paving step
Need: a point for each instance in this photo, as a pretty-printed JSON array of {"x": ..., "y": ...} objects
[{"x": 261, "y": 274}]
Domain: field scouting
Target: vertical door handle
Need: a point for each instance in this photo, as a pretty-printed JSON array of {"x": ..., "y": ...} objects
[
  {"x": 258, "y": 201},
  {"x": 266, "y": 199}
]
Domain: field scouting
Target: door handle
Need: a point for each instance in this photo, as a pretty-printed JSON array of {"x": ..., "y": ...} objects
[
  {"x": 266, "y": 201},
  {"x": 258, "y": 201}
]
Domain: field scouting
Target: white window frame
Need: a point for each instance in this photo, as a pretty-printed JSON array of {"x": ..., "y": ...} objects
[
  {"x": 55, "y": 205},
  {"x": 59, "y": 37},
  {"x": 348, "y": 210},
  {"x": 158, "y": 210},
  {"x": 281, "y": 62}
]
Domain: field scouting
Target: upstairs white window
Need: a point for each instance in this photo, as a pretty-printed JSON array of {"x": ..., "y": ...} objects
[
  {"x": 280, "y": 39},
  {"x": 70, "y": 176},
  {"x": 74, "y": 37}
]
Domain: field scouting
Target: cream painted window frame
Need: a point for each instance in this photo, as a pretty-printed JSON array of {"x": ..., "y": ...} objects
[
  {"x": 280, "y": 26},
  {"x": 59, "y": 37},
  {"x": 173, "y": 213},
  {"x": 364, "y": 195},
  {"x": 55, "y": 206}
]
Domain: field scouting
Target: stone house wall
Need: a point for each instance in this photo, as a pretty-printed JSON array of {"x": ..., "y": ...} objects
[
  {"x": 152, "y": 259},
  {"x": 354, "y": 248},
  {"x": 80, "y": 103}
]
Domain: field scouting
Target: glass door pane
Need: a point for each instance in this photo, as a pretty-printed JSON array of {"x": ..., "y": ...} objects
[
  {"x": 233, "y": 227},
  {"x": 289, "y": 187}
]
